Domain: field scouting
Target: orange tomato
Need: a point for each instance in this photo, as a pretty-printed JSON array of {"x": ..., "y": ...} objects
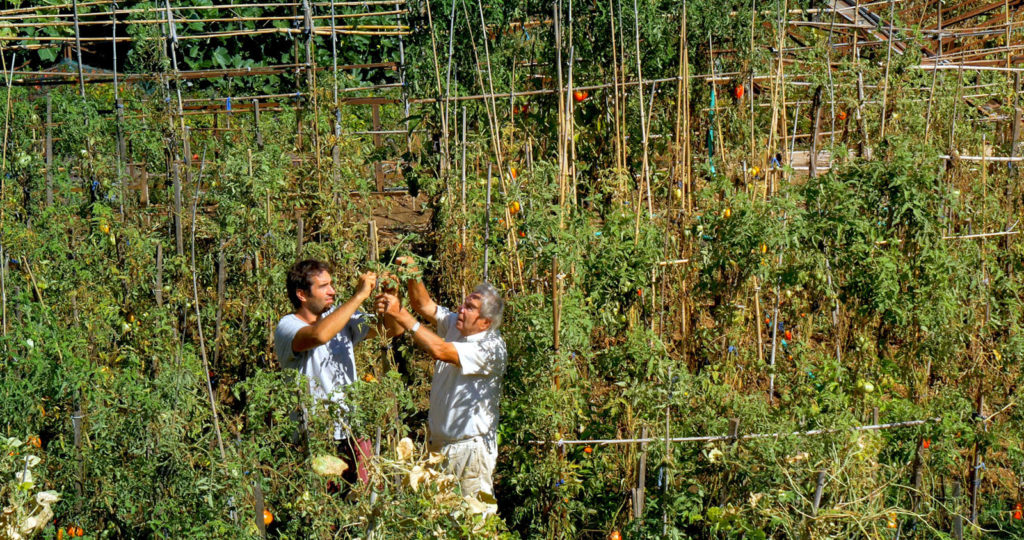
[
  {"x": 369, "y": 378},
  {"x": 512, "y": 171},
  {"x": 34, "y": 441},
  {"x": 841, "y": 115},
  {"x": 579, "y": 95},
  {"x": 789, "y": 335},
  {"x": 727, "y": 213},
  {"x": 927, "y": 443},
  {"x": 60, "y": 534},
  {"x": 268, "y": 518},
  {"x": 514, "y": 207},
  {"x": 615, "y": 536},
  {"x": 588, "y": 450}
]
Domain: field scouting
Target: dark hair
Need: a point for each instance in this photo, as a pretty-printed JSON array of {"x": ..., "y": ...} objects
[{"x": 300, "y": 277}]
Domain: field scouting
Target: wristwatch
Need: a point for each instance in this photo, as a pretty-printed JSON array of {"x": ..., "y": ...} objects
[{"x": 414, "y": 328}]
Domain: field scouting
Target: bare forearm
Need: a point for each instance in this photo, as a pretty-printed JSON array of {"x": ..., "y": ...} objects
[
  {"x": 327, "y": 327},
  {"x": 420, "y": 301},
  {"x": 426, "y": 339}
]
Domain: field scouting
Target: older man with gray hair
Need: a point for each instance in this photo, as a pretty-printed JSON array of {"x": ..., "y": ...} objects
[{"x": 470, "y": 360}]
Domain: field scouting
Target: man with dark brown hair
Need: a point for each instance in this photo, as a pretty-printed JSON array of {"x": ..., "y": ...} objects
[{"x": 318, "y": 338}]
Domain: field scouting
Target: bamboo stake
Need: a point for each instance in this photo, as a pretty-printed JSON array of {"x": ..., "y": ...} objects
[
  {"x": 446, "y": 149},
  {"x": 487, "y": 224},
  {"x": 49, "y": 149},
  {"x": 643, "y": 120},
  {"x": 78, "y": 50},
  {"x": 562, "y": 106},
  {"x": 687, "y": 154},
  {"x": 888, "y": 62},
  {"x": 935, "y": 73},
  {"x": 158, "y": 290},
  {"x": 199, "y": 323},
  {"x": 437, "y": 77},
  {"x": 619, "y": 161},
  {"x": 556, "y": 312}
]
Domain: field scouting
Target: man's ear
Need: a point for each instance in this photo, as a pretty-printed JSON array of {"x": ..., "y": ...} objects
[
  {"x": 486, "y": 323},
  {"x": 302, "y": 294}
]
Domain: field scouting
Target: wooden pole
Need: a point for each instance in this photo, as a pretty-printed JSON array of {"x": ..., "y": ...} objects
[
  {"x": 222, "y": 276},
  {"x": 78, "y": 50},
  {"x": 256, "y": 123},
  {"x": 958, "y": 519},
  {"x": 199, "y": 320},
  {"x": 300, "y": 226},
  {"x": 49, "y": 149},
  {"x": 179, "y": 242},
  {"x": 556, "y": 313},
  {"x": 372, "y": 254},
  {"x": 158, "y": 290},
  {"x": 935, "y": 73},
  {"x": 487, "y": 223},
  {"x": 816, "y": 128},
  {"x": 646, "y": 174},
  {"x": 888, "y": 62},
  {"x": 615, "y": 92},
  {"x": 976, "y": 462}
]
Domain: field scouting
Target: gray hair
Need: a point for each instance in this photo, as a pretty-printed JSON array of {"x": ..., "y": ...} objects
[{"x": 491, "y": 304}]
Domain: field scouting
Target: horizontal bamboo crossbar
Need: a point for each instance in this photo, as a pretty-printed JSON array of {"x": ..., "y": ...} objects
[{"x": 748, "y": 436}]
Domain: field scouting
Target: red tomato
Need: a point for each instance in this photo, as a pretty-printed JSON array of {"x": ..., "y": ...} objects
[
  {"x": 926, "y": 443},
  {"x": 789, "y": 335},
  {"x": 579, "y": 95},
  {"x": 841, "y": 116},
  {"x": 738, "y": 91}
]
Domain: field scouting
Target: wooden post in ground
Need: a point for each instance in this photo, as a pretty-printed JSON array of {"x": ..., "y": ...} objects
[
  {"x": 122, "y": 152},
  {"x": 78, "y": 50},
  {"x": 179, "y": 241},
  {"x": 257, "y": 495},
  {"x": 158, "y": 291},
  {"x": 256, "y": 123},
  {"x": 49, "y": 149},
  {"x": 812, "y": 169},
  {"x": 556, "y": 316},
  {"x": 299, "y": 233},
  {"x": 976, "y": 462},
  {"x": 958, "y": 519},
  {"x": 222, "y": 275},
  {"x": 372, "y": 253}
]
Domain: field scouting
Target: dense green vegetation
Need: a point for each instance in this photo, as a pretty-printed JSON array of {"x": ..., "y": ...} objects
[{"x": 845, "y": 293}]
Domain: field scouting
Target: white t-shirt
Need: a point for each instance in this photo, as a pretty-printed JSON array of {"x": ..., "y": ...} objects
[
  {"x": 464, "y": 398},
  {"x": 329, "y": 367}
]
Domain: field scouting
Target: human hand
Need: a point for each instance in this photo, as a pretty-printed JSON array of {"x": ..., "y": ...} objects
[
  {"x": 367, "y": 282},
  {"x": 389, "y": 283},
  {"x": 388, "y": 304},
  {"x": 407, "y": 266}
]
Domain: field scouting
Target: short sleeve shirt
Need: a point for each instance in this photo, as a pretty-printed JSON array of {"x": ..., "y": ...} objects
[
  {"x": 464, "y": 398},
  {"x": 329, "y": 367}
]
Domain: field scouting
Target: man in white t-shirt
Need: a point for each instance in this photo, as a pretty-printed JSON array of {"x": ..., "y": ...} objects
[
  {"x": 470, "y": 363},
  {"x": 318, "y": 338}
]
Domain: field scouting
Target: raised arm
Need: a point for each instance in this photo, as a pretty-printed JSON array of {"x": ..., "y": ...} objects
[
  {"x": 324, "y": 329},
  {"x": 419, "y": 298},
  {"x": 391, "y": 308}
]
